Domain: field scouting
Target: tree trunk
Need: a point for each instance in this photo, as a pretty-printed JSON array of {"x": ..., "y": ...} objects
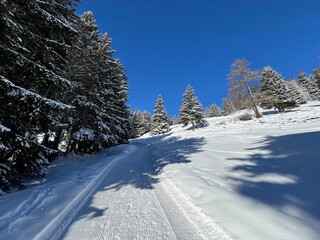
[
  {"x": 254, "y": 105},
  {"x": 45, "y": 140},
  {"x": 57, "y": 139}
]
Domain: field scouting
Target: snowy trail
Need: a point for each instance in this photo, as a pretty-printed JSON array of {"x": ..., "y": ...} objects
[
  {"x": 135, "y": 204},
  {"x": 120, "y": 197},
  {"x": 58, "y": 224}
]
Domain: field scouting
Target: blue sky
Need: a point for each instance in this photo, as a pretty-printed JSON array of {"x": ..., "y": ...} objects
[{"x": 166, "y": 44}]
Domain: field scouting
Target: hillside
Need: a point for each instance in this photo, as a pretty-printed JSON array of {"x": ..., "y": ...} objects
[{"x": 256, "y": 179}]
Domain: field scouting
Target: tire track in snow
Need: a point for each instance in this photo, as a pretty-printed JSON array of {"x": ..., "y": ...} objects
[{"x": 58, "y": 225}]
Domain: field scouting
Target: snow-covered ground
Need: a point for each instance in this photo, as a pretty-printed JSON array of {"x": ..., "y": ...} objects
[{"x": 257, "y": 179}]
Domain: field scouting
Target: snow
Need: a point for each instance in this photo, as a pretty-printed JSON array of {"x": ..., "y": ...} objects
[
  {"x": 4, "y": 129},
  {"x": 84, "y": 134},
  {"x": 23, "y": 93},
  {"x": 256, "y": 179}
]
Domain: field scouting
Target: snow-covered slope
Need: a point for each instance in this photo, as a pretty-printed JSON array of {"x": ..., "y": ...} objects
[{"x": 257, "y": 179}]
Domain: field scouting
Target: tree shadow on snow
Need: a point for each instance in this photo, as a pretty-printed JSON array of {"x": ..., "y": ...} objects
[
  {"x": 140, "y": 171},
  {"x": 286, "y": 174}
]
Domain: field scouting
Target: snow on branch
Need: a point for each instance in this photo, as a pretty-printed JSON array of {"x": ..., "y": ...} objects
[{"x": 22, "y": 92}]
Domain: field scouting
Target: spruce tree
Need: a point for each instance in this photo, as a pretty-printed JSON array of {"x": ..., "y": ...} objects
[
  {"x": 191, "y": 110},
  {"x": 58, "y": 79},
  {"x": 275, "y": 91},
  {"x": 138, "y": 123},
  {"x": 160, "y": 119},
  {"x": 309, "y": 83},
  {"x": 35, "y": 41},
  {"x": 147, "y": 121},
  {"x": 101, "y": 118},
  {"x": 316, "y": 76},
  {"x": 227, "y": 107},
  {"x": 174, "y": 120},
  {"x": 297, "y": 92},
  {"x": 212, "y": 111}
]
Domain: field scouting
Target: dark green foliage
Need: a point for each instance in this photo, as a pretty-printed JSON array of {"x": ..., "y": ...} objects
[
  {"x": 212, "y": 111},
  {"x": 160, "y": 120},
  {"x": 275, "y": 91},
  {"x": 310, "y": 84},
  {"x": 60, "y": 88},
  {"x": 141, "y": 122},
  {"x": 191, "y": 110}
]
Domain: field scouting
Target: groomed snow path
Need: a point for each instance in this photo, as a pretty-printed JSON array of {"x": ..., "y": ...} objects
[
  {"x": 119, "y": 198},
  {"x": 135, "y": 206}
]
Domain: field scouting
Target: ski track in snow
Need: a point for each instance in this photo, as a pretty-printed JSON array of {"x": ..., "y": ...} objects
[
  {"x": 138, "y": 206},
  {"x": 129, "y": 200},
  {"x": 59, "y": 224}
]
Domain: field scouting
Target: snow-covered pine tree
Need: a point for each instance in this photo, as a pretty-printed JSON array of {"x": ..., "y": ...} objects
[
  {"x": 86, "y": 67},
  {"x": 297, "y": 92},
  {"x": 275, "y": 92},
  {"x": 117, "y": 109},
  {"x": 212, "y": 111},
  {"x": 141, "y": 122},
  {"x": 101, "y": 116},
  {"x": 316, "y": 76},
  {"x": 174, "y": 120},
  {"x": 147, "y": 121},
  {"x": 160, "y": 119},
  {"x": 227, "y": 107},
  {"x": 138, "y": 123},
  {"x": 35, "y": 40},
  {"x": 310, "y": 85},
  {"x": 191, "y": 110}
]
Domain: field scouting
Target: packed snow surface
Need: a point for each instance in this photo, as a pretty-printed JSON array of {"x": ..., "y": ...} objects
[{"x": 256, "y": 179}]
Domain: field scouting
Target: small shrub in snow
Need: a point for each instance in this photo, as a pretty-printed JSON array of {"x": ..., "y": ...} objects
[{"x": 245, "y": 117}]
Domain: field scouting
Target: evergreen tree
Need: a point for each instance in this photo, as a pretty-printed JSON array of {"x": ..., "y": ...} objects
[
  {"x": 35, "y": 41},
  {"x": 191, "y": 110},
  {"x": 139, "y": 123},
  {"x": 174, "y": 120},
  {"x": 275, "y": 91},
  {"x": 240, "y": 79},
  {"x": 58, "y": 78},
  {"x": 316, "y": 76},
  {"x": 212, "y": 111},
  {"x": 101, "y": 118},
  {"x": 297, "y": 92},
  {"x": 309, "y": 83},
  {"x": 147, "y": 121},
  {"x": 160, "y": 119},
  {"x": 227, "y": 107}
]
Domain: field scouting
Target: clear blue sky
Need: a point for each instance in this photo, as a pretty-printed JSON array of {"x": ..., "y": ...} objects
[{"x": 166, "y": 44}]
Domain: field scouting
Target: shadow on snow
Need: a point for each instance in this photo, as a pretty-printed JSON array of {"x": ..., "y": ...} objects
[
  {"x": 295, "y": 157},
  {"x": 142, "y": 169}
]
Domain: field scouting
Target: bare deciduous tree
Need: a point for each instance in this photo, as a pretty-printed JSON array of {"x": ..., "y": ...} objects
[{"x": 239, "y": 79}]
